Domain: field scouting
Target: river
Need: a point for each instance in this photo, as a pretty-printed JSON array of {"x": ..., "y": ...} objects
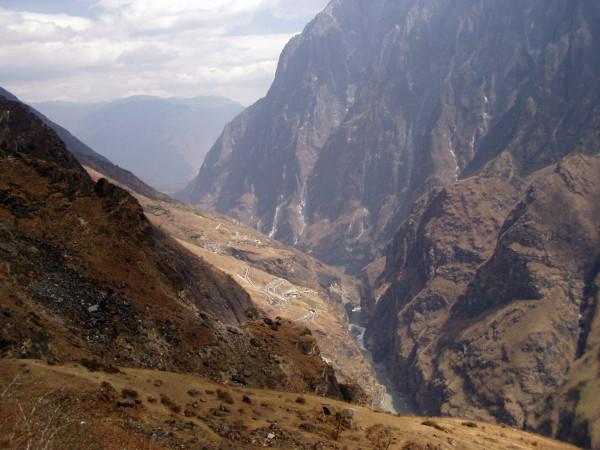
[{"x": 393, "y": 401}]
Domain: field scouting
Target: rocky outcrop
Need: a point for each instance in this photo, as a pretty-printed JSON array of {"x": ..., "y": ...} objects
[
  {"x": 85, "y": 277},
  {"x": 489, "y": 308},
  {"x": 378, "y": 102}
]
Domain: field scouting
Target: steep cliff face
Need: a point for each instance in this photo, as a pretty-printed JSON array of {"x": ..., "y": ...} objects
[
  {"x": 488, "y": 305},
  {"x": 85, "y": 277},
  {"x": 579, "y": 411},
  {"x": 378, "y": 102}
]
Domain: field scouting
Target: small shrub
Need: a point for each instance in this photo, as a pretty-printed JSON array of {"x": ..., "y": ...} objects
[
  {"x": 343, "y": 419},
  {"x": 174, "y": 407},
  {"x": 413, "y": 446},
  {"x": 381, "y": 437},
  {"x": 252, "y": 313},
  {"x": 91, "y": 364},
  {"x": 225, "y": 396},
  {"x": 301, "y": 400},
  {"x": 308, "y": 426},
  {"x": 434, "y": 424},
  {"x": 129, "y": 393},
  {"x": 106, "y": 393},
  {"x": 193, "y": 392},
  {"x": 469, "y": 424}
]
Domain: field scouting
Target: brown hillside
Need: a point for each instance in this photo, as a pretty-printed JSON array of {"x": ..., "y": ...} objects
[
  {"x": 84, "y": 276},
  {"x": 280, "y": 280},
  {"x": 491, "y": 300}
]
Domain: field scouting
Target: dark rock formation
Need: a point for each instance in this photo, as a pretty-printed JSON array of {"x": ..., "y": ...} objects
[
  {"x": 488, "y": 305},
  {"x": 377, "y": 102}
]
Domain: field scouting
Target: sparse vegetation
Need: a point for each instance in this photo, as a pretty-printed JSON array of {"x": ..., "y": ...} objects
[
  {"x": 129, "y": 393},
  {"x": 193, "y": 392},
  {"x": 82, "y": 418},
  {"x": 412, "y": 446},
  {"x": 225, "y": 396},
  {"x": 381, "y": 437},
  {"x": 174, "y": 407},
  {"x": 53, "y": 420},
  {"x": 252, "y": 313},
  {"x": 434, "y": 424},
  {"x": 343, "y": 419}
]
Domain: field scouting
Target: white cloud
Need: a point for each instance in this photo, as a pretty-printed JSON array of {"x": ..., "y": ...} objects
[
  {"x": 291, "y": 9},
  {"x": 158, "y": 47},
  {"x": 31, "y": 27}
]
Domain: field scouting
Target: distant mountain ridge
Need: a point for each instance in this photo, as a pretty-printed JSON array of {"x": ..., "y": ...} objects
[
  {"x": 162, "y": 140},
  {"x": 89, "y": 157}
]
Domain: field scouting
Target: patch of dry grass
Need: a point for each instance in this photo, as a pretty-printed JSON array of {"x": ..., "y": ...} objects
[{"x": 36, "y": 418}]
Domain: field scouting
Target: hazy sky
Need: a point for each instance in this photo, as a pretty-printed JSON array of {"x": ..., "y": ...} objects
[{"x": 88, "y": 50}]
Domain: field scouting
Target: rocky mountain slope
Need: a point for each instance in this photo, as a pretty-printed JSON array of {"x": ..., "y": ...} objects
[
  {"x": 302, "y": 288},
  {"x": 162, "y": 140},
  {"x": 487, "y": 303},
  {"x": 85, "y": 277},
  {"x": 281, "y": 281},
  {"x": 109, "y": 336},
  {"x": 377, "y": 102},
  {"x": 457, "y": 139}
]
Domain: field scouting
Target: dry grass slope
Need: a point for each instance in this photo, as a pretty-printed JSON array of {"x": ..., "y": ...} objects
[{"x": 58, "y": 407}]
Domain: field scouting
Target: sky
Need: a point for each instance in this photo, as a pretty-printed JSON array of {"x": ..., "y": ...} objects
[{"x": 96, "y": 50}]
